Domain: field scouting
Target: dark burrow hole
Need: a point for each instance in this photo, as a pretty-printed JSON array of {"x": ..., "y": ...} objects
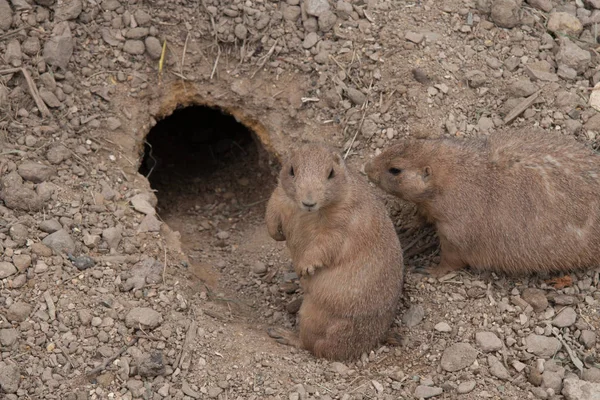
[{"x": 201, "y": 160}]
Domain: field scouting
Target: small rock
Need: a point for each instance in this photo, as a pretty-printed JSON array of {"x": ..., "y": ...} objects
[
  {"x": 137, "y": 33},
  {"x": 544, "y": 5},
  {"x": 57, "y": 154},
  {"x": 60, "y": 241},
  {"x": 83, "y": 262},
  {"x": 18, "y": 312},
  {"x": 414, "y": 37},
  {"x": 34, "y": 172},
  {"x": 413, "y": 316},
  {"x": 497, "y": 368},
  {"x": 466, "y": 387},
  {"x": 565, "y": 318},
  {"x": 326, "y": 21},
  {"x": 475, "y": 78},
  {"x": 426, "y": 392},
  {"x": 144, "y": 317},
  {"x": 214, "y": 392},
  {"x": 505, "y": 13},
  {"x": 356, "y": 96},
  {"x": 151, "y": 364},
  {"x": 588, "y": 374},
  {"x": 458, "y": 356},
  {"x": 553, "y": 380},
  {"x": 339, "y": 368},
  {"x": 240, "y": 31},
  {"x": 536, "y": 299},
  {"x": 291, "y": 13},
  {"x": 153, "y": 47},
  {"x": 573, "y": 56},
  {"x": 5, "y": 15},
  {"x": 68, "y": 10},
  {"x": 59, "y": 48},
  {"x": 259, "y": 268},
  {"x": 566, "y": 72},
  {"x": 141, "y": 204},
  {"x": 310, "y": 40},
  {"x": 316, "y": 7},
  {"x": 8, "y": 337},
  {"x": 149, "y": 224},
  {"x": 113, "y": 123},
  {"x": 49, "y": 98},
  {"x": 562, "y": 22},
  {"x": 7, "y": 269},
  {"x": 50, "y": 226},
  {"x": 13, "y": 54},
  {"x": 22, "y": 261},
  {"x": 575, "y": 389},
  {"x": 188, "y": 391},
  {"x": 542, "y": 346},
  {"x": 134, "y": 47},
  {"x": 10, "y": 377},
  {"x": 522, "y": 88},
  {"x": 488, "y": 341},
  {"x": 541, "y": 70},
  {"x": 588, "y": 338},
  {"x": 442, "y": 327}
]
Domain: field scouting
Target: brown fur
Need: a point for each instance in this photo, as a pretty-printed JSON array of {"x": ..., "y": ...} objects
[
  {"x": 514, "y": 202},
  {"x": 345, "y": 250}
]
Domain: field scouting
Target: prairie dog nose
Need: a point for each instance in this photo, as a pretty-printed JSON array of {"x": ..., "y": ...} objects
[{"x": 309, "y": 204}]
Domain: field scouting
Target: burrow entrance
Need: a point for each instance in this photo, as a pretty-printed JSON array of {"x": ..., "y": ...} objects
[{"x": 212, "y": 183}]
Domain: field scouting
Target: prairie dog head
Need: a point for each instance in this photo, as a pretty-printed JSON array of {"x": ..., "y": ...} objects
[
  {"x": 314, "y": 177},
  {"x": 403, "y": 170}
]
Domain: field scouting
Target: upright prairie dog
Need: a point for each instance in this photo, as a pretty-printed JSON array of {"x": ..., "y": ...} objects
[
  {"x": 344, "y": 249},
  {"x": 520, "y": 203}
]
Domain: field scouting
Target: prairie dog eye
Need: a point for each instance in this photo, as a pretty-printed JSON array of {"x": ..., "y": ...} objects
[
  {"x": 291, "y": 171},
  {"x": 395, "y": 171},
  {"x": 331, "y": 174}
]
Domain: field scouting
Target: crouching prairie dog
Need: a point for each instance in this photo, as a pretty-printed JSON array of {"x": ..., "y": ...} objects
[
  {"x": 520, "y": 203},
  {"x": 344, "y": 249}
]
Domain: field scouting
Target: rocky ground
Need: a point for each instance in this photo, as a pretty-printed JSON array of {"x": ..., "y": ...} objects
[{"x": 103, "y": 298}]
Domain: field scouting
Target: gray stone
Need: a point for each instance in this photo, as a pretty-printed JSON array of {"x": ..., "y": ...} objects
[
  {"x": 539, "y": 392},
  {"x": 592, "y": 3},
  {"x": 21, "y": 261},
  {"x": 552, "y": 380},
  {"x": 34, "y": 172},
  {"x": 542, "y": 346},
  {"x": 566, "y": 72},
  {"x": 5, "y": 15},
  {"x": 57, "y": 154},
  {"x": 188, "y": 391},
  {"x": 344, "y": 9},
  {"x": 60, "y": 241},
  {"x": 134, "y": 47},
  {"x": 151, "y": 364},
  {"x": 10, "y": 377},
  {"x": 466, "y": 387},
  {"x": 13, "y": 55},
  {"x": 59, "y": 48},
  {"x": 153, "y": 47},
  {"x": 16, "y": 196},
  {"x": 442, "y": 327},
  {"x": 310, "y": 40},
  {"x": 426, "y": 392},
  {"x": 505, "y": 13},
  {"x": 488, "y": 341},
  {"x": 31, "y": 46},
  {"x": 413, "y": 316},
  {"x": 497, "y": 369},
  {"x": 68, "y": 10},
  {"x": 291, "y": 13},
  {"x": 214, "y": 392},
  {"x": 326, "y": 21},
  {"x": 588, "y": 338},
  {"x": 476, "y": 78},
  {"x": 8, "y": 337},
  {"x": 544, "y": 5},
  {"x": 240, "y": 31},
  {"x": 414, "y": 37},
  {"x": 112, "y": 236},
  {"x": 141, "y": 204},
  {"x": 575, "y": 389},
  {"x": 588, "y": 374},
  {"x": 18, "y": 312},
  {"x": 562, "y": 22},
  {"x": 49, "y": 98},
  {"x": 356, "y": 96},
  {"x": 50, "y": 226},
  {"x": 316, "y": 7},
  {"x": 149, "y": 224},
  {"x": 142, "y": 17},
  {"x": 535, "y": 297},
  {"x": 458, "y": 356},
  {"x": 522, "y": 88},
  {"x": 565, "y": 318},
  {"x": 137, "y": 33},
  {"x": 113, "y": 123},
  {"x": 541, "y": 70},
  {"x": 573, "y": 56},
  {"x": 144, "y": 317},
  {"x": 19, "y": 233},
  {"x": 259, "y": 268},
  {"x": 7, "y": 269}
]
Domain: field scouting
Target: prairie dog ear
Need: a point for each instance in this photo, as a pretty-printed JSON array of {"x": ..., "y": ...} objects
[{"x": 427, "y": 173}]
